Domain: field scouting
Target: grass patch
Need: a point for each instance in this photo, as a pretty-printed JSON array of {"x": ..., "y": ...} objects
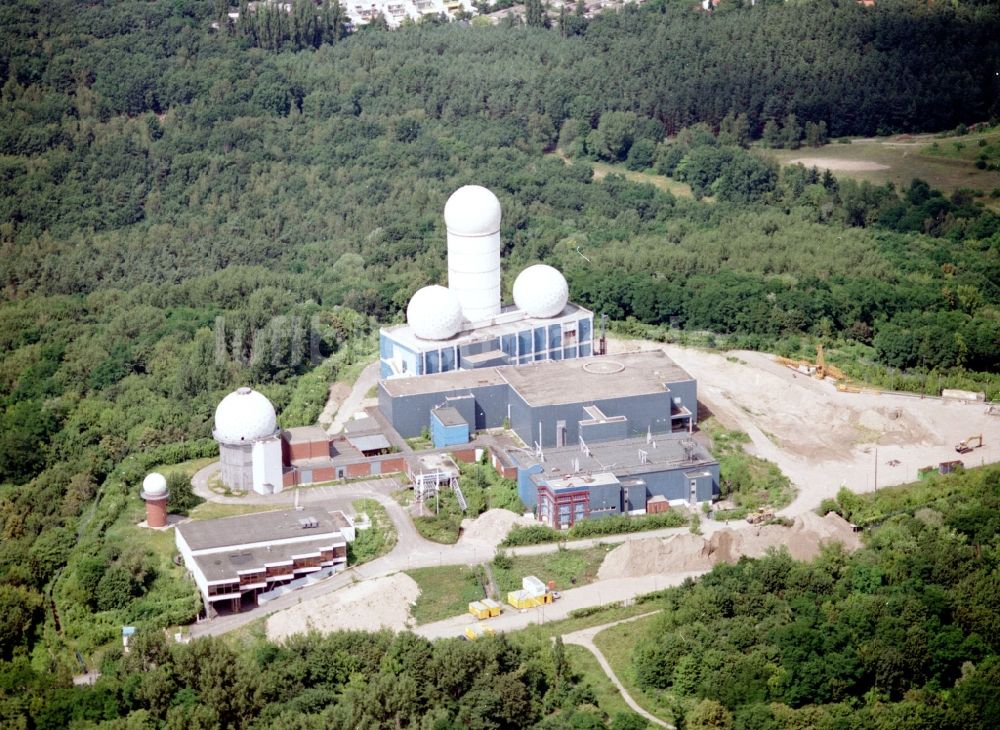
[
  {"x": 377, "y": 540},
  {"x": 190, "y": 467},
  {"x": 443, "y": 528},
  {"x": 446, "y": 591},
  {"x": 617, "y": 644},
  {"x": 520, "y": 535},
  {"x": 483, "y": 489},
  {"x": 609, "y": 699},
  {"x": 946, "y": 167},
  {"x": 568, "y": 568},
  {"x": 749, "y": 481}
]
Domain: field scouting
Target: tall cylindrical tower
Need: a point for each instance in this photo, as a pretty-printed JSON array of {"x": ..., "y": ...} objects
[
  {"x": 472, "y": 217},
  {"x": 154, "y": 491}
]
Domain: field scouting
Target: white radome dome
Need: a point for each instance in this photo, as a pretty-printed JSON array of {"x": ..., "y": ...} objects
[
  {"x": 434, "y": 313},
  {"x": 541, "y": 291},
  {"x": 472, "y": 210},
  {"x": 154, "y": 485},
  {"x": 244, "y": 415}
]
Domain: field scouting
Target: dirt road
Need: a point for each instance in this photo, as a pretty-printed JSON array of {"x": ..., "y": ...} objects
[
  {"x": 823, "y": 439},
  {"x": 585, "y": 638}
]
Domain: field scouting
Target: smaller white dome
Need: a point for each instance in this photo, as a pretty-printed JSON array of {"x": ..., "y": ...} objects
[
  {"x": 472, "y": 210},
  {"x": 243, "y": 416},
  {"x": 154, "y": 485},
  {"x": 434, "y": 313},
  {"x": 541, "y": 291}
]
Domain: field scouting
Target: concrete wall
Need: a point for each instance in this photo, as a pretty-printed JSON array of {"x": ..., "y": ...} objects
[
  {"x": 267, "y": 466},
  {"x": 526, "y": 488},
  {"x": 237, "y": 466},
  {"x": 605, "y": 500},
  {"x": 673, "y": 485},
  {"x": 609, "y": 431},
  {"x": 409, "y": 414},
  {"x": 445, "y": 436}
]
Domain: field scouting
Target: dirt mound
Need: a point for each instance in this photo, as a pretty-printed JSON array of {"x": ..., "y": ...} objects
[
  {"x": 676, "y": 554},
  {"x": 686, "y": 553},
  {"x": 369, "y": 606},
  {"x": 492, "y": 525}
]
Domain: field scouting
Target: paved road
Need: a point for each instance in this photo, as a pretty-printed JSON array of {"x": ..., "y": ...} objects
[
  {"x": 595, "y": 594},
  {"x": 585, "y": 638},
  {"x": 355, "y": 401}
]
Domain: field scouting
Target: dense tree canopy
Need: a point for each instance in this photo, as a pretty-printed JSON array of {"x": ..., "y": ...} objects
[{"x": 184, "y": 210}]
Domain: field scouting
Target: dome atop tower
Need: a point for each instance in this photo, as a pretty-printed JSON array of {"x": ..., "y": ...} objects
[
  {"x": 434, "y": 313},
  {"x": 154, "y": 486},
  {"x": 541, "y": 291},
  {"x": 244, "y": 416},
  {"x": 472, "y": 210}
]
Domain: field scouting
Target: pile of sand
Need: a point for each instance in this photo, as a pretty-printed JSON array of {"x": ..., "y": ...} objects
[
  {"x": 368, "y": 606},
  {"x": 492, "y": 525},
  {"x": 835, "y": 165},
  {"x": 687, "y": 553}
]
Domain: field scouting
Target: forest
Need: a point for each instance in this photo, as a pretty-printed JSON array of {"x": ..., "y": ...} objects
[{"x": 185, "y": 210}]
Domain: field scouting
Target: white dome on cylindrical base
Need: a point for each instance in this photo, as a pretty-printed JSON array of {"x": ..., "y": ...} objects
[
  {"x": 541, "y": 291},
  {"x": 472, "y": 217},
  {"x": 244, "y": 415},
  {"x": 154, "y": 486},
  {"x": 434, "y": 313}
]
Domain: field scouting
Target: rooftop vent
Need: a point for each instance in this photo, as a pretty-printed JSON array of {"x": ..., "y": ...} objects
[{"x": 306, "y": 522}]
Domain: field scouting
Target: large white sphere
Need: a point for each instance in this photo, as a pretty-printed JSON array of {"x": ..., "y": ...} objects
[
  {"x": 541, "y": 291},
  {"x": 244, "y": 415},
  {"x": 472, "y": 210},
  {"x": 434, "y": 313},
  {"x": 154, "y": 485}
]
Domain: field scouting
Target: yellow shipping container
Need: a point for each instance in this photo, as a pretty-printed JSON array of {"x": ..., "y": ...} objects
[
  {"x": 475, "y": 631},
  {"x": 495, "y": 608},
  {"x": 524, "y": 599},
  {"x": 479, "y": 610}
]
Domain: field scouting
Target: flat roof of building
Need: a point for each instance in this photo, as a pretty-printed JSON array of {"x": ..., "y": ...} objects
[
  {"x": 510, "y": 321},
  {"x": 361, "y": 426},
  {"x": 256, "y": 527},
  {"x": 625, "y": 457},
  {"x": 371, "y": 442},
  {"x": 559, "y": 381},
  {"x": 449, "y": 416},
  {"x": 227, "y": 565},
  {"x": 305, "y": 434},
  {"x": 583, "y": 481},
  {"x": 593, "y": 378}
]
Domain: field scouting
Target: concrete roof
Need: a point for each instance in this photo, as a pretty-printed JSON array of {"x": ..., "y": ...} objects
[
  {"x": 621, "y": 458},
  {"x": 257, "y": 527},
  {"x": 305, "y": 434},
  {"x": 371, "y": 442},
  {"x": 227, "y": 565},
  {"x": 361, "y": 426},
  {"x": 449, "y": 416},
  {"x": 558, "y": 381},
  {"x": 443, "y": 382},
  {"x": 593, "y": 378}
]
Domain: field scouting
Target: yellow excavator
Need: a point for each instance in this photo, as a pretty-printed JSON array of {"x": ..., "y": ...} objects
[{"x": 973, "y": 442}]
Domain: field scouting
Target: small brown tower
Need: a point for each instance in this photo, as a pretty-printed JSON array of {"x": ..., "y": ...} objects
[{"x": 154, "y": 491}]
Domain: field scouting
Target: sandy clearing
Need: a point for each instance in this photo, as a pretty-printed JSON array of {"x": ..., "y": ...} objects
[
  {"x": 368, "y": 606},
  {"x": 823, "y": 439},
  {"x": 688, "y": 553},
  {"x": 834, "y": 165},
  {"x": 493, "y": 525}
]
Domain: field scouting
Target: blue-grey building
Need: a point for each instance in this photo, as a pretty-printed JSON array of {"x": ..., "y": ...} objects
[
  {"x": 606, "y": 433},
  {"x": 511, "y": 337}
]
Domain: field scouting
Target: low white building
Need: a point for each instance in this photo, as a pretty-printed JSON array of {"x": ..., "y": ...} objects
[{"x": 254, "y": 557}]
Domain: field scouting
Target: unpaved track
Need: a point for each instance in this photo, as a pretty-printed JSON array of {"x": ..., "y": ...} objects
[
  {"x": 585, "y": 638},
  {"x": 823, "y": 439}
]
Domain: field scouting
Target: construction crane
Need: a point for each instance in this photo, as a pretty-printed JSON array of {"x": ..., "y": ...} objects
[{"x": 973, "y": 442}]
